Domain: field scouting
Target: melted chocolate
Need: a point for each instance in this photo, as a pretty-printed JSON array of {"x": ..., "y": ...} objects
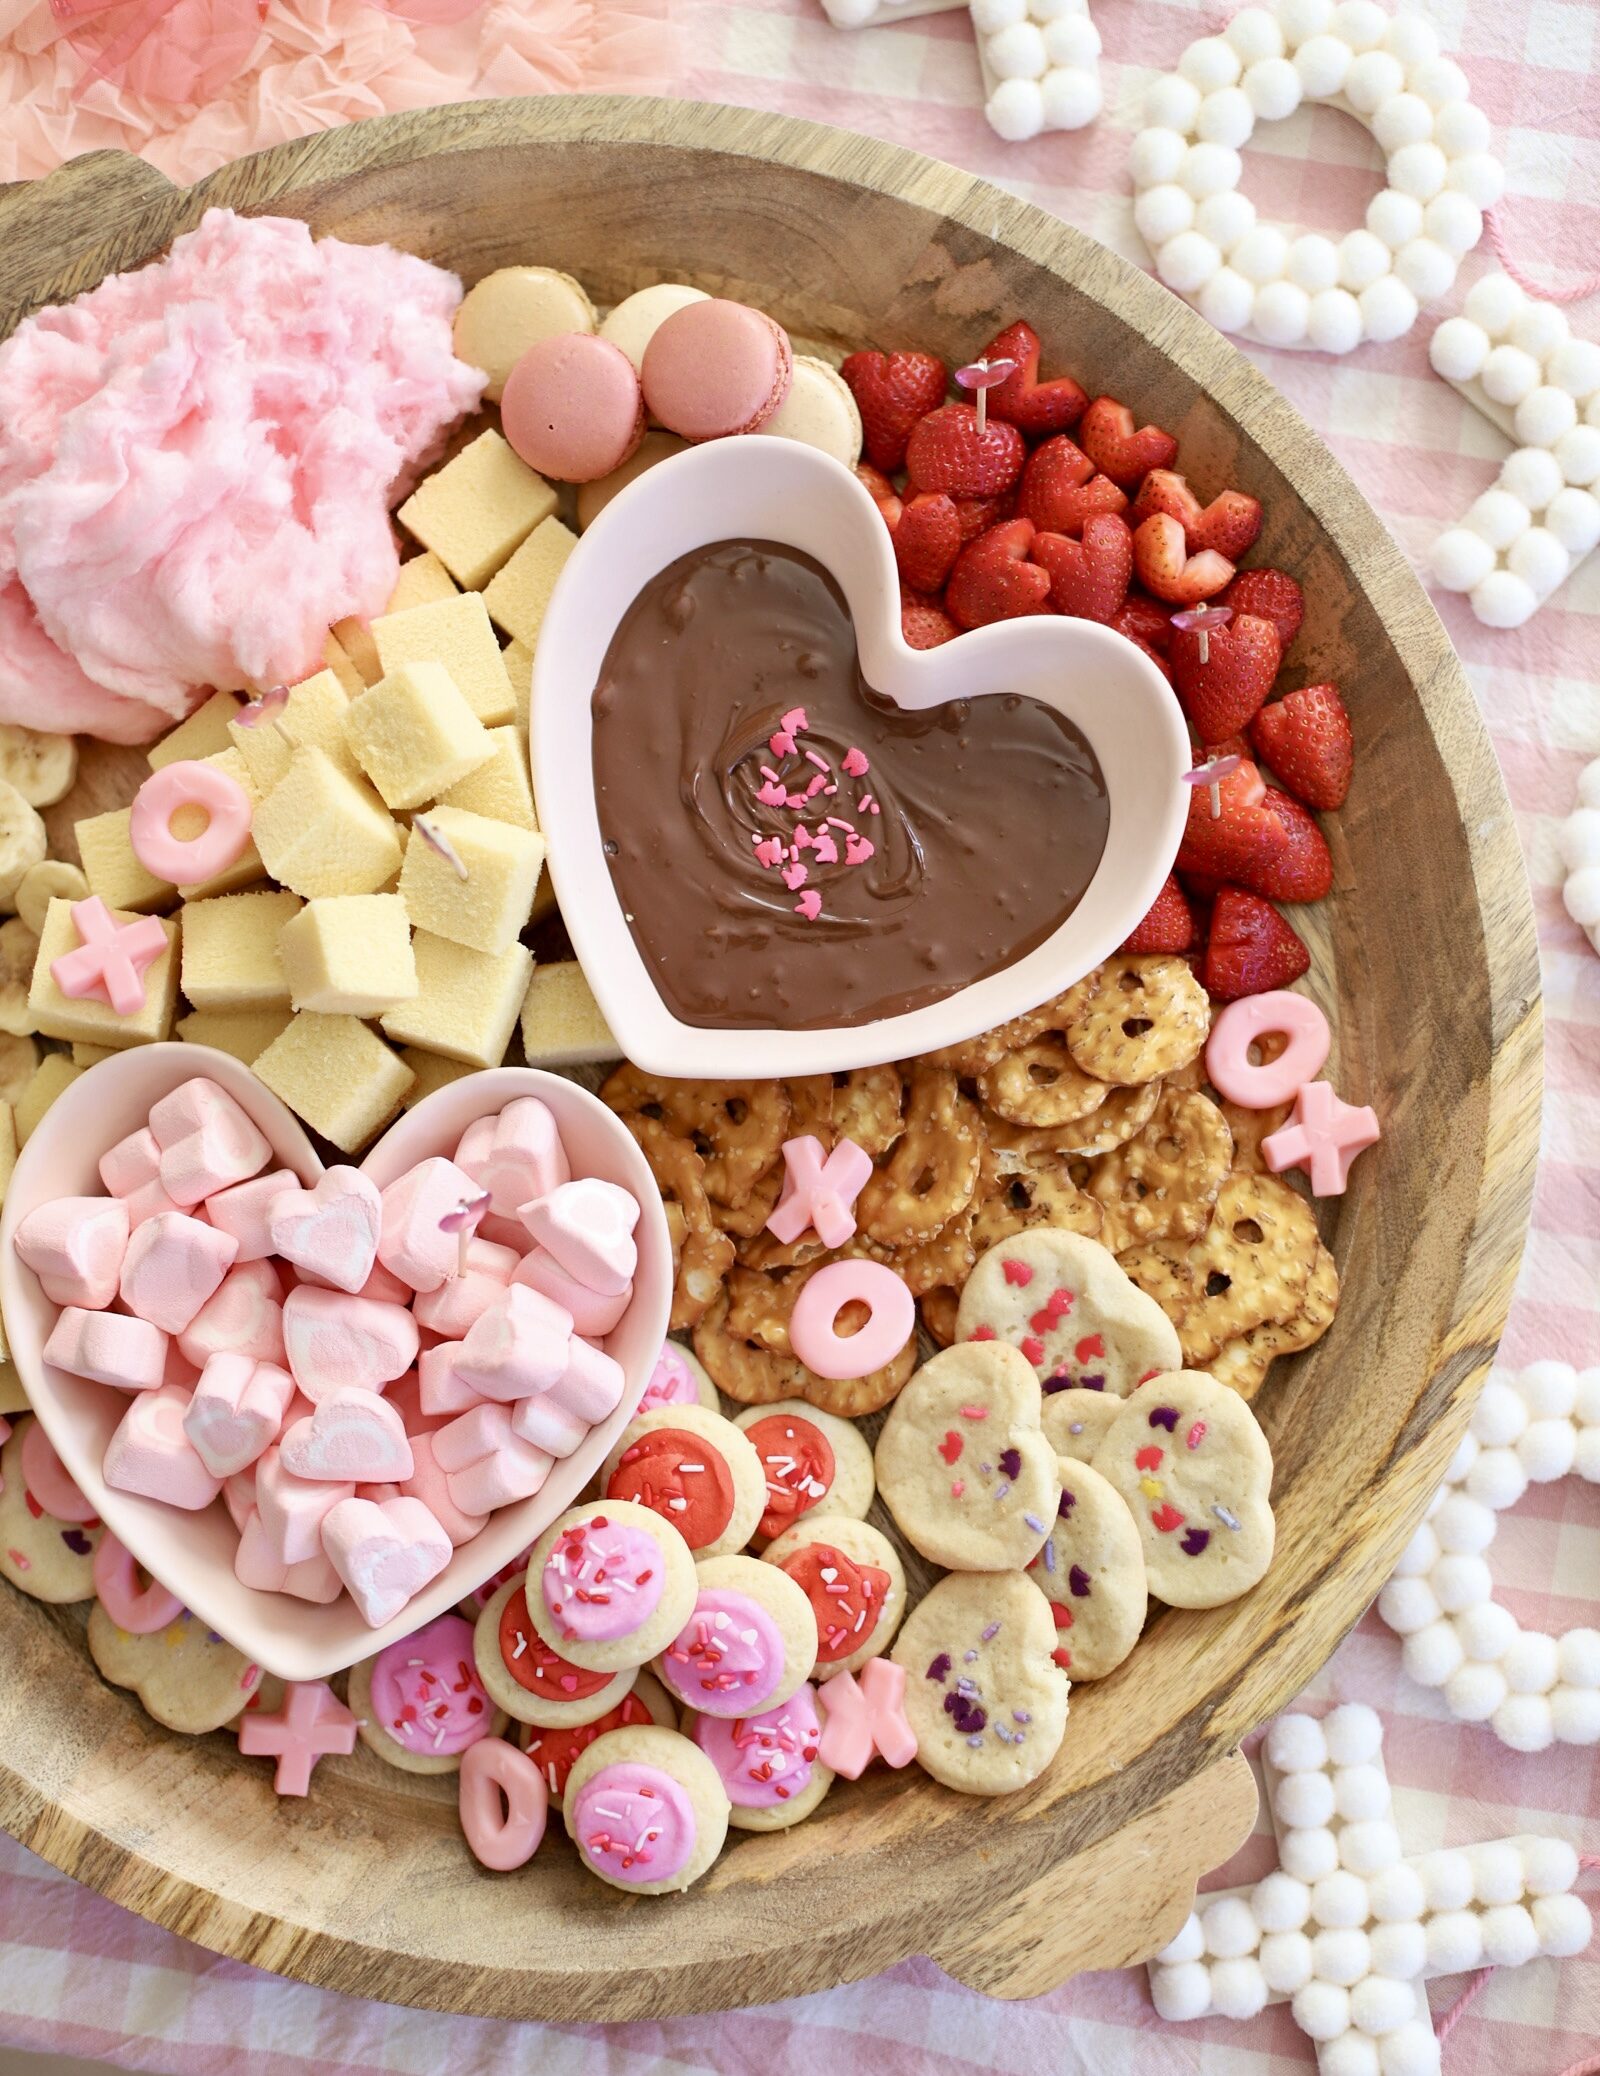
[{"x": 992, "y": 818}]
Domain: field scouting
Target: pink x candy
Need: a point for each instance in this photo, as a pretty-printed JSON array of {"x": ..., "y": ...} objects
[
  {"x": 865, "y": 1717},
  {"x": 312, "y": 1721},
  {"x": 1323, "y": 1136},
  {"x": 818, "y": 1192},
  {"x": 111, "y": 960}
]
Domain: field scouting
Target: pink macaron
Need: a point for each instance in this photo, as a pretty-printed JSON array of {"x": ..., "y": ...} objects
[
  {"x": 715, "y": 368},
  {"x": 571, "y": 407}
]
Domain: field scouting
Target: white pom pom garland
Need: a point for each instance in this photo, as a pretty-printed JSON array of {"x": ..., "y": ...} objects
[{"x": 1041, "y": 71}]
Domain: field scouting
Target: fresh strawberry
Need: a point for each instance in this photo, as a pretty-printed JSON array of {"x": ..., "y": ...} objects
[
  {"x": 1168, "y": 926},
  {"x": 1106, "y": 434},
  {"x": 1088, "y": 578},
  {"x": 1061, "y": 507},
  {"x": 1306, "y": 738},
  {"x": 1270, "y": 595},
  {"x": 1251, "y": 949},
  {"x": 1227, "y": 526},
  {"x": 927, "y": 540},
  {"x": 994, "y": 580},
  {"x": 1223, "y": 693},
  {"x": 924, "y": 622},
  {"x": 1145, "y": 619},
  {"x": 1303, "y": 869},
  {"x": 948, "y": 452},
  {"x": 878, "y": 488},
  {"x": 1244, "y": 836},
  {"x": 1036, "y": 407},
  {"x": 1166, "y": 567},
  {"x": 1139, "y": 642},
  {"x": 892, "y": 391},
  {"x": 978, "y": 514}
]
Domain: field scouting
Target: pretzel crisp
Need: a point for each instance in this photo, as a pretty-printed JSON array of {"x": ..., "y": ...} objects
[
  {"x": 1244, "y": 1361},
  {"x": 933, "y": 1169},
  {"x": 704, "y": 1255},
  {"x": 738, "y": 1127},
  {"x": 1162, "y": 1183},
  {"x": 1251, "y": 1265},
  {"x": 1040, "y": 1084},
  {"x": 1141, "y": 1017}
]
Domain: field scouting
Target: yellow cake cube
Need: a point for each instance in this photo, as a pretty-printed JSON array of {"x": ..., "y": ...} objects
[
  {"x": 466, "y": 1002},
  {"x": 415, "y": 736},
  {"x": 500, "y": 788},
  {"x": 202, "y": 735},
  {"x": 54, "y": 1073},
  {"x": 111, "y": 869},
  {"x": 230, "y": 950},
  {"x": 519, "y": 594},
  {"x": 518, "y": 660},
  {"x": 455, "y": 632},
  {"x": 320, "y": 831},
  {"x": 86, "y": 1017},
  {"x": 488, "y": 908},
  {"x": 349, "y": 954},
  {"x": 246, "y": 1033},
  {"x": 314, "y": 716},
  {"x": 87, "y": 1056},
  {"x": 336, "y": 1074},
  {"x": 337, "y": 659},
  {"x": 478, "y": 509},
  {"x": 432, "y": 1070},
  {"x": 8, "y": 1151},
  {"x": 561, "y": 1021},
  {"x": 421, "y": 580},
  {"x": 247, "y": 869}
]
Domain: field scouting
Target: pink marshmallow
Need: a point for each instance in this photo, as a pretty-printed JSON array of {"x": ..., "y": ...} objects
[
  {"x": 239, "y": 1497},
  {"x": 178, "y": 1369},
  {"x": 547, "y": 1425},
  {"x": 440, "y": 1389},
  {"x": 173, "y": 1264},
  {"x": 558, "y": 1419},
  {"x": 406, "y": 1398},
  {"x": 387, "y": 1289},
  {"x": 593, "y": 1315},
  {"x": 108, "y": 1348},
  {"x": 349, "y": 1435},
  {"x": 236, "y": 1411},
  {"x": 515, "y": 1156},
  {"x": 485, "y": 1464},
  {"x": 413, "y": 1244},
  {"x": 455, "y": 1307},
  {"x": 75, "y": 1247},
  {"x": 254, "y": 1565},
  {"x": 245, "y": 1317},
  {"x": 131, "y": 1163},
  {"x": 333, "y": 1339},
  {"x": 385, "y": 1552},
  {"x": 588, "y": 1227},
  {"x": 519, "y": 1346},
  {"x": 207, "y": 1141},
  {"x": 152, "y": 1455},
  {"x": 504, "y": 1232},
  {"x": 292, "y": 1509},
  {"x": 331, "y": 1230},
  {"x": 245, "y": 1211},
  {"x": 428, "y": 1483}
]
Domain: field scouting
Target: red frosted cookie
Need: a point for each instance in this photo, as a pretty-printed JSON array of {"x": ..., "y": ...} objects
[
  {"x": 812, "y": 1462},
  {"x": 694, "y": 1469},
  {"x": 714, "y": 368}
]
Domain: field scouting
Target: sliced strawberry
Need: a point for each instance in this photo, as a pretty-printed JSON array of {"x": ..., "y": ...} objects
[
  {"x": 1088, "y": 578},
  {"x": 924, "y": 622},
  {"x": 1059, "y": 464},
  {"x": 1166, "y": 567},
  {"x": 1145, "y": 619},
  {"x": 1138, "y": 641},
  {"x": 1268, "y": 594},
  {"x": 948, "y": 452},
  {"x": 880, "y": 490},
  {"x": 1223, "y": 693},
  {"x": 1227, "y": 526},
  {"x": 1306, "y": 738},
  {"x": 994, "y": 580},
  {"x": 1036, "y": 407},
  {"x": 1251, "y": 949},
  {"x": 892, "y": 391},
  {"x": 1106, "y": 434},
  {"x": 1244, "y": 836},
  {"x": 1165, "y": 490},
  {"x": 978, "y": 514},
  {"x": 927, "y": 540},
  {"x": 1058, "y": 506},
  {"x": 1168, "y": 926},
  {"x": 1303, "y": 869}
]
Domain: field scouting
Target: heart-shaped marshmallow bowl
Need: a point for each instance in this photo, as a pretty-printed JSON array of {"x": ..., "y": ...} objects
[
  {"x": 781, "y": 491},
  {"x": 192, "y": 1553}
]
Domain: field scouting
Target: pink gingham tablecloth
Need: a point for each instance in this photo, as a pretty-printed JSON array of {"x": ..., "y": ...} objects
[{"x": 80, "y": 1976}]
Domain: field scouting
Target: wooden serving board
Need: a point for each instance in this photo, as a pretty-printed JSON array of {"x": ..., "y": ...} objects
[{"x": 1425, "y": 955}]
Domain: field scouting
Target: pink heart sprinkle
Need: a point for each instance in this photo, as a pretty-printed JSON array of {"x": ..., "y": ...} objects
[
  {"x": 795, "y": 876},
  {"x": 781, "y": 744},
  {"x": 827, "y": 850},
  {"x": 854, "y": 762},
  {"x": 772, "y": 793},
  {"x": 857, "y": 850},
  {"x": 803, "y": 838},
  {"x": 769, "y": 852},
  {"x": 794, "y": 721},
  {"x": 809, "y": 905}
]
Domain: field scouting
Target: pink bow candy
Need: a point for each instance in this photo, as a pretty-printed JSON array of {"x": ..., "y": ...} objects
[
  {"x": 865, "y": 1718},
  {"x": 817, "y": 1192}
]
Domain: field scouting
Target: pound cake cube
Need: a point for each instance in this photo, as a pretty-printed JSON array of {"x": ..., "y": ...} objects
[
  {"x": 313, "y": 717},
  {"x": 415, "y": 736},
  {"x": 87, "y": 1056},
  {"x": 466, "y": 1002},
  {"x": 478, "y": 509},
  {"x": 487, "y": 909},
  {"x": 112, "y": 870},
  {"x": 519, "y": 594},
  {"x": 457, "y": 633},
  {"x": 518, "y": 660},
  {"x": 202, "y": 735},
  {"x": 246, "y": 1033},
  {"x": 54, "y": 1073},
  {"x": 499, "y": 788},
  {"x": 337, "y": 1075},
  {"x": 320, "y": 831},
  {"x": 95, "y": 1022},
  {"x": 8, "y": 1149},
  {"x": 421, "y": 580},
  {"x": 230, "y": 950},
  {"x": 247, "y": 868},
  {"x": 561, "y": 1021},
  {"x": 349, "y": 954},
  {"x": 336, "y": 657},
  {"x": 432, "y": 1070}
]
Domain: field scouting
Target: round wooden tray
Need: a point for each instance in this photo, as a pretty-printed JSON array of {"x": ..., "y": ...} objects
[{"x": 1426, "y": 953}]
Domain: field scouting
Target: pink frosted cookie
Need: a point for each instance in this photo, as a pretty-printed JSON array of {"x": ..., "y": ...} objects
[
  {"x": 420, "y": 1702},
  {"x": 852, "y": 1575},
  {"x": 609, "y": 1585},
  {"x": 714, "y": 368},
  {"x": 678, "y": 1379},
  {"x": 749, "y": 1643},
  {"x": 572, "y": 407},
  {"x": 768, "y": 1762},
  {"x": 646, "y": 1809},
  {"x": 530, "y": 1681}
]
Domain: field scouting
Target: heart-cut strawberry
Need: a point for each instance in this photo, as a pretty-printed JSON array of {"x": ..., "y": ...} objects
[
  {"x": 1251, "y": 949},
  {"x": 1088, "y": 578},
  {"x": 978, "y": 514},
  {"x": 1303, "y": 869},
  {"x": 949, "y": 451},
  {"x": 1166, "y": 567},
  {"x": 924, "y": 623},
  {"x": 1106, "y": 434},
  {"x": 1228, "y": 525},
  {"x": 1268, "y": 594},
  {"x": 892, "y": 391},
  {"x": 994, "y": 580},
  {"x": 1226, "y": 691},
  {"x": 927, "y": 540},
  {"x": 1168, "y": 925},
  {"x": 1245, "y": 834},
  {"x": 1145, "y": 619},
  {"x": 1060, "y": 489},
  {"x": 1036, "y": 407},
  {"x": 1306, "y": 738}
]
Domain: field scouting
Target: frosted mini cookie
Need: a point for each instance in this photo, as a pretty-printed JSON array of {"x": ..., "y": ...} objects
[
  {"x": 693, "y": 1468},
  {"x": 749, "y": 1642},
  {"x": 556, "y": 1752},
  {"x": 963, "y": 1464},
  {"x": 646, "y": 1809},
  {"x": 1188, "y": 1456},
  {"x": 852, "y": 1576},
  {"x": 185, "y": 1675},
  {"x": 983, "y": 1693},
  {"x": 1065, "y": 1303},
  {"x": 768, "y": 1763},
  {"x": 811, "y": 1461},
  {"x": 48, "y": 1558},
  {"x": 522, "y": 1675},
  {"x": 1092, "y": 1573},
  {"x": 609, "y": 1585},
  {"x": 679, "y": 1378},
  {"x": 1074, "y": 1420},
  {"x": 420, "y": 1703}
]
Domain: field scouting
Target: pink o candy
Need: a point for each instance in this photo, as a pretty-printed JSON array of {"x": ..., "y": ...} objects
[
  {"x": 186, "y": 861},
  {"x": 811, "y": 1328},
  {"x": 47, "y": 1478},
  {"x": 505, "y": 1803},
  {"x": 140, "y": 1610},
  {"x": 1262, "y": 1087}
]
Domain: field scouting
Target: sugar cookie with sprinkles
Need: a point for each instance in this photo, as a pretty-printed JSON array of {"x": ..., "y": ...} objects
[
  {"x": 769, "y": 1763},
  {"x": 49, "y": 1559},
  {"x": 524, "y": 1676},
  {"x": 1092, "y": 1573},
  {"x": 420, "y": 1703},
  {"x": 556, "y": 1752},
  {"x": 1189, "y": 1457},
  {"x": 747, "y": 1644},
  {"x": 813, "y": 1462},
  {"x": 678, "y": 1379},
  {"x": 1075, "y": 1421},
  {"x": 696, "y": 1470},
  {"x": 1066, "y": 1304},
  {"x": 609, "y": 1584},
  {"x": 184, "y": 1675},
  {"x": 963, "y": 1464},
  {"x": 852, "y": 1575},
  {"x": 983, "y": 1691},
  {"x": 646, "y": 1809}
]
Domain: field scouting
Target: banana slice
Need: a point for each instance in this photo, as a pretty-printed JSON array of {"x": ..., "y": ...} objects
[
  {"x": 19, "y": 947},
  {"x": 22, "y": 841},
  {"x": 54, "y": 880},
  {"x": 19, "y": 1060},
  {"x": 41, "y": 767}
]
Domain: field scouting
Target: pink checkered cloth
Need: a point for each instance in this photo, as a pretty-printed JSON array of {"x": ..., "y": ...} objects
[{"x": 79, "y": 1976}]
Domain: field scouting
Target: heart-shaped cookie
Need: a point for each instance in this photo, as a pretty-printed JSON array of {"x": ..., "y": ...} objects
[
  {"x": 1063, "y": 1301},
  {"x": 800, "y": 499},
  {"x": 330, "y": 1230}
]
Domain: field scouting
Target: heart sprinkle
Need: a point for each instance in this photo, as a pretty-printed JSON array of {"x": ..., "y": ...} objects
[{"x": 1165, "y": 1416}]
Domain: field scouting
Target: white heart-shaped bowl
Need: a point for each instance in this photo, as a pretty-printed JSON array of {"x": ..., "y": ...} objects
[
  {"x": 192, "y": 1554},
  {"x": 779, "y": 490}
]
